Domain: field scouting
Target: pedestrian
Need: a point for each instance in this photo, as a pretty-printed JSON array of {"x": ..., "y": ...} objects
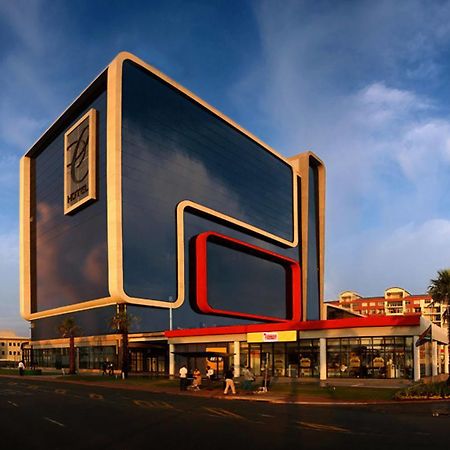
[
  {"x": 249, "y": 378},
  {"x": 197, "y": 379},
  {"x": 229, "y": 382},
  {"x": 209, "y": 373},
  {"x": 21, "y": 368},
  {"x": 183, "y": 378},
  {"x": 104, "y": 368}
]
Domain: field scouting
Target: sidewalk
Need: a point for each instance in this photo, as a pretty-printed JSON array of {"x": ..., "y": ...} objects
[{"x": 335, "y": 392}]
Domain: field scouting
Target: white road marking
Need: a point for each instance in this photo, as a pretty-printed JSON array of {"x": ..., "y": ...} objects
[
  {"x": 153, "y": 404},
  {"x": 60, "y": 391},
  {"x": 96, "y": 396},
  {"x": 12, "y": 403},
  {"x": 54, "y": 421},
  {"x": 224, "y": 413},
  {"x": 322, "y": 427},
  {"x": 266, "y": 415}
]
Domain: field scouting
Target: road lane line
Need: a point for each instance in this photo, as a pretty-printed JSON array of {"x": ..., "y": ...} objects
[
  {"x": 12, "y": 403},
  {"x": 55, "y": 422},
  {"x": 96, "y": 396},
  {"x": 153, "y": 404},
  {"x": 224, "y": 413},
  {"x": 60, "y": 391},
  {"x": 322, "y": 427}
]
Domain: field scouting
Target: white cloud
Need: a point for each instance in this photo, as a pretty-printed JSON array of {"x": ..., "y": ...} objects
[{"x": 338, "y": 83}]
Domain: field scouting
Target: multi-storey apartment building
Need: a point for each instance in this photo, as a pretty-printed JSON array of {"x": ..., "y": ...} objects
[{"x": 396, "y": 301}]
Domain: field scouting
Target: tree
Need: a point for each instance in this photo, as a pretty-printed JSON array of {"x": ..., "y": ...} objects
[
  {"x": 439, "y": 290},
  {"x": 69, "y": 329},
  {"x": 121, "y": 322}
]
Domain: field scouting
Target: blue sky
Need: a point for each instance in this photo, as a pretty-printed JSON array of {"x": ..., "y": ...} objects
[{"x": 363, "y": 84}]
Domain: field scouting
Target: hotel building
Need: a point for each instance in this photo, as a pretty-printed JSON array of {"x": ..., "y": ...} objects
[{"x": 143, "y": 197}]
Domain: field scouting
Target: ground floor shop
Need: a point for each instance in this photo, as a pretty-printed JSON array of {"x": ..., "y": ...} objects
[{"x": 388, "y": 348}]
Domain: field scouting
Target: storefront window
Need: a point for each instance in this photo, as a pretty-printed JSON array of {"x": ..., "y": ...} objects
[
  {"x": 292, "y": 355},
  {"x": 370, "y": 357},
  {"x": 279, "y": 359},
  {"x": 308, "y": 358}
]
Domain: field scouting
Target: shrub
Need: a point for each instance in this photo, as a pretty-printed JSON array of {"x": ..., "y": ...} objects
[{"x": 423, "y": 391}]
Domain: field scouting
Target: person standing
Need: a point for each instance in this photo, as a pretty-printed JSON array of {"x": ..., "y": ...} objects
[
  {"x": 249, "y": 378},
  {"x": 21, "y": 368},
  {"x": 209, "y": 373},
  {"x": 183, "y": 378},
  {"x": 229, "y": 382}
]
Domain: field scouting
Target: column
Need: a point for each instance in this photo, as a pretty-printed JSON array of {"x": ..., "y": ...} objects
[
  {"x": 427, "y": 348},
  {"x": 237, "y": 359},
  {"x": 171, "y": 360},
  {"x": 434, "y": 358},
  {"x": 445, "y": 358},
  {"x": 323, "y": 359},
  {"x": 416, "y": 359}
]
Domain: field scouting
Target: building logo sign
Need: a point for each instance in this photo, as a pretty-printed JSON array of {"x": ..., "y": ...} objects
[
  {"x": 272, "y": 336},
  {"x": 80, "y": 154}
]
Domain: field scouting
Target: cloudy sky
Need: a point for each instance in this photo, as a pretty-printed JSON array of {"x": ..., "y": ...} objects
[{"x": 363, "y": 84}]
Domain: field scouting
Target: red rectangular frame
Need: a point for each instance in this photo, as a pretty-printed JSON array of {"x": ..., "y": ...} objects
[{"x": 201, "y": 278}]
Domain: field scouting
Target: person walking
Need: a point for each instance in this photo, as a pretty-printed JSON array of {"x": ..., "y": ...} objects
[
  {"x": 197, "y": 379},
  {"x": 229, "y": 382},
  {"x": 21, "y": 368},
  {"x": 183, "y": 378}
]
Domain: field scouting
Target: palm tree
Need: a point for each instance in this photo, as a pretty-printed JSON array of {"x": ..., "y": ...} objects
[
  {"x": 69, "y": 329},
  {"x": 439, "y": 290},
  {"x": 121, "y": 322}
]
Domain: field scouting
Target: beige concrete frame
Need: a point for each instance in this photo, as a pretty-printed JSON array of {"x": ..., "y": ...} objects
[
  {"x": 301, "y": 163},
  {"x": 114, "y": 206},
  {"x": 114, "y": 145},
  {"x": 92, "y": 157}
]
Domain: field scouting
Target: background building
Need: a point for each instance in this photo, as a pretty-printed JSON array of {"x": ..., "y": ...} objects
[
  {"x": 396, "y": 301},
  {"x": 11, "y": 347}
]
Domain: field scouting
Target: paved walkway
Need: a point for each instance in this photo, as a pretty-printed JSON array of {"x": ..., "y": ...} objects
[{"x": 289, "y": 393}]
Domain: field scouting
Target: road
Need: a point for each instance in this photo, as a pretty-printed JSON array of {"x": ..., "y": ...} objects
[{"x": 53, "y": 415}]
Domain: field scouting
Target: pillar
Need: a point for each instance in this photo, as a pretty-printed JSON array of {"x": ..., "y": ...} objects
[
  {"x": 416, "y": 359},
  {"x": 237, "y": 359},
  {"x": 445, "y": 358},
  {"x": 171, "y": 360},
  {"x": 434, "y": 358},
  {"x": 427, "y": 348},
  {"x": 323, "y": 359}
]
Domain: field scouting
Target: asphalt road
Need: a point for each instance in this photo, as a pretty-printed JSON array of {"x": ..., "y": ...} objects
[{"x": 52, "y": 415}]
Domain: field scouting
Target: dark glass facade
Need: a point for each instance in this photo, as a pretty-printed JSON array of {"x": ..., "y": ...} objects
[
  {"x": 69, "y": 253},
  {"x": 174, "y": 150},
  {"x": 313, "y": 284}
]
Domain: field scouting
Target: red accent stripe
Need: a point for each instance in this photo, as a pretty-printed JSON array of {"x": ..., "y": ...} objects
[
  {"x": 201, "y": 262},
  {"x": 357, "y": 322}
]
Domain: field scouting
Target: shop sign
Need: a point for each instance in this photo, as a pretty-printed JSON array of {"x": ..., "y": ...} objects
[{"x": 272, "y": 336}]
